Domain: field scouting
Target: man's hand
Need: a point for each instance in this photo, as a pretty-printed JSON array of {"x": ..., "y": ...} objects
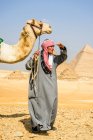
[{"x": 60, "y": 45}]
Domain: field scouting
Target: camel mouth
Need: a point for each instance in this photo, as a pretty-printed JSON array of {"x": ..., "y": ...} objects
[{"x": 49, "y": 32}]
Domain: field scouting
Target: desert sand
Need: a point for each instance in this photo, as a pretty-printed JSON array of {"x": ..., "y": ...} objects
[{"x": 74, "y": 119}]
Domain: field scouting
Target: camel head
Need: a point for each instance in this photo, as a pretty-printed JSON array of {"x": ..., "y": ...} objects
[{"x": 39, "y": 27}]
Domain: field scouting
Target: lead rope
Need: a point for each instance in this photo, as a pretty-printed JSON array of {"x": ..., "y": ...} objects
[
  {"x": 36, "y": 64},
  {"x": 34, "y": 71},
  {"x": 38, "y": 58}
]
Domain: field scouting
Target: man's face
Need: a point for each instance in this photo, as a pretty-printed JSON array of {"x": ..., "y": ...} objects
[{"x": 50, "y": 49}]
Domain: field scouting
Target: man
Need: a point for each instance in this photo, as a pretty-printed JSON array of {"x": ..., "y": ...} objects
[{"x": 42, "y": 98}]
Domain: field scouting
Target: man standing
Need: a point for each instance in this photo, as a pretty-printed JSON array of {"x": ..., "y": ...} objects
[{"x": 43, "y": 97}]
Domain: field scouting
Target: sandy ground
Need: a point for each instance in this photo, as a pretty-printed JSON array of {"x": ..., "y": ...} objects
[{"x": 74, "y": 117}]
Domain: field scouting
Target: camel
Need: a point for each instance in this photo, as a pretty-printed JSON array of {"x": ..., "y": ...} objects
[{"x": 18, "y": 52}]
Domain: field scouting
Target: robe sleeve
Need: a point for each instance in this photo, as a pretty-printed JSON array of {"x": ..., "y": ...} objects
[
  {"x": 62, "y": 57},
  {"x": 28, "y": 65}
]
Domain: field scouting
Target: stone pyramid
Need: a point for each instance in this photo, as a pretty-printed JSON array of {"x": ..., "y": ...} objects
[
  {"x": 16, "y": 75},
  {"x": 65, "y": 71},
  {"x": 83, "y": 63}
]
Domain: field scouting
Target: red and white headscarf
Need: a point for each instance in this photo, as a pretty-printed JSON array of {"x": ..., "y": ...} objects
[{"x": 45, "y": 46}]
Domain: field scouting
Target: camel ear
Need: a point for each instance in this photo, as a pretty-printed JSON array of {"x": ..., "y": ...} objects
[
  {"x": 28, "y": 21},
  {"x": 32, "y": 21},
  {"x": 41, "y": 23}
]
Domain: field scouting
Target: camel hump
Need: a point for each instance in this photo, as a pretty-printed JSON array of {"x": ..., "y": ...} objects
[{"x": 1, "y": 40}]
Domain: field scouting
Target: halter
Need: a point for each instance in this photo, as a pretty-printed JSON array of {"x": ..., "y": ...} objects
[
  {"x": 31, "y": 25},
  {"x": 41, "y": 25}
]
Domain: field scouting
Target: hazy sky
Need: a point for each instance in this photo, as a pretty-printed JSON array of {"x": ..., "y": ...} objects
[{"x": 71, "y": 21}]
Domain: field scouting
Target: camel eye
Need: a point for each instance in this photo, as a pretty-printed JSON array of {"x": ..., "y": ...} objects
[
  {"x": 41, "y": 23},
  {"x": 49, "y": 26}
]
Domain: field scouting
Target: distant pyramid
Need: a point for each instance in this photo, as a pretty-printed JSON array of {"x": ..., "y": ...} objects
[
  {"x": 83, "y": 62},
  {"x": 88, "y": 49},
  {"x": 65, "y": 71},
  {"x": 17, "y": 74}
]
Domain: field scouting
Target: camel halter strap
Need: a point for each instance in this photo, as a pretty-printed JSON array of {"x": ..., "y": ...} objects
[{"x": 31, "y": 25}]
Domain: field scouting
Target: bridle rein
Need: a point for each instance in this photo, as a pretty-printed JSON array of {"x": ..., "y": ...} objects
[{"x": 31, "y": 25}]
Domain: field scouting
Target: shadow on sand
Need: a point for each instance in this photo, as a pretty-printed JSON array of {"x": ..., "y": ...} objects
[
  {"x": 27, "y": 125},
  {"x": 13, "y": 115}
]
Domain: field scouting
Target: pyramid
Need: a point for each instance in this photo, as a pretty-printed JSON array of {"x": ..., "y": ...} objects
[
  {"x": 83, "y": 63},
  {"x": 17, "y": 74},
  {"x": 65, "y": 71}
]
